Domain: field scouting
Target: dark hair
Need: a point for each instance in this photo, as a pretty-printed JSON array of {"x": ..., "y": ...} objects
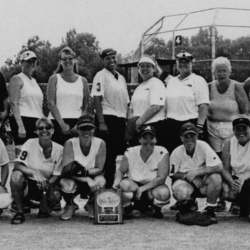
[{"x": 69, "y": 51}]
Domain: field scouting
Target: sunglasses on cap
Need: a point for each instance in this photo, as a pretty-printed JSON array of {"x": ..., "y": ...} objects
[{"x": 84, "y": 128}]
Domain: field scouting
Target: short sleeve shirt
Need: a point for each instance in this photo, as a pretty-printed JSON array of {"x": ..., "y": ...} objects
[
  {"x": 32, "y": 156},
  {"x": 114, "y": 93},
  {"x": 141, "y": 171},
  {"x": 151, "y": 92},
  {"x": 204, "y": 156},
  {"x": 184, "y": 96}
]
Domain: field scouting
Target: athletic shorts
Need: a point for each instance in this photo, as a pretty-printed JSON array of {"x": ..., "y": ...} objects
[
  {"x": 218, "y": 133},
  {"x": 31, "y": 191}
]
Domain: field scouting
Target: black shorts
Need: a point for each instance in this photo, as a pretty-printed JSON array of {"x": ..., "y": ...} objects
[
  {"x": 83, "y": 189},
  {"x": 29, "y": 125},
  {"x": 34, "y": 193}
]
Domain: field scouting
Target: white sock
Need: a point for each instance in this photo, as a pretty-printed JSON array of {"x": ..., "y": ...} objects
[{"x": 211, "y": 205}]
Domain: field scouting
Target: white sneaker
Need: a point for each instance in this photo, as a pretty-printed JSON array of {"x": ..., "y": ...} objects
[{"x": 68, "y": 212}]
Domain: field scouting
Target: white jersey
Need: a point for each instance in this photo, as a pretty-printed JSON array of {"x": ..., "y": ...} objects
[
  {"x": 31, "y": 155},
  {"x": 69, "y": 98},
  {"x": 184, "y": 96},
  {"x": 87, "y": 161},
  {"x": 148, "y": 93},
  {"x": 114, "y": 93},
  {"x": 30, "y": 101},
  {"x": 141, "y": 171},
  {"x": 240, "y": 157},
  {"x": 203, "y": 156}
]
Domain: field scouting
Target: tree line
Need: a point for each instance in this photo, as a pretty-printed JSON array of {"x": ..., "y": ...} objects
[{"x": 87, "y": 52}]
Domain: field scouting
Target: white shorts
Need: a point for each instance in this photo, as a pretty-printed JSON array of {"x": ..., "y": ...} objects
[{"x": 218, "y": 133}]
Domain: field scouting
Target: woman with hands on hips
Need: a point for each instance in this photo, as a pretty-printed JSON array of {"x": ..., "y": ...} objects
[{"x": 68, "y": 96}]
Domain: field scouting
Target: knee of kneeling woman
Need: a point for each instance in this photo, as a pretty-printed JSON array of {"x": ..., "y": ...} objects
[
  {"x": 216, "y": 179},
  {"x": 183, "y": 193},
  {"x": 68, "y": 185},
  {"x": 17, "y": 177},
  {"x": 162, "y": 194},
  {"x": 125, "y": 185}
]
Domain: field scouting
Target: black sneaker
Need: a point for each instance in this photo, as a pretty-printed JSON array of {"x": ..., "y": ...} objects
[
  {"x": 175, "y": 206},
  {"x": 128, "y": 212},
  {"x": 211, "y": 214},
  {"x": 156, "y": 212},
  {"x": 189, "y": 206}
]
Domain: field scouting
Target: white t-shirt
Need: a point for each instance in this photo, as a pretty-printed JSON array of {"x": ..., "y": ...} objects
[
  {"x": 240, "y": 157},
  {"x": 184, "y": 96},
  {"x": 30, "y": 101},
  {"x": 31, "y": 155},
  {"x": 69, "y": 98},
  {"x": 141, "y": 171},
  {"x": 87, "y": 161},
  {"x": 151, "y": 92},
  {"x": 204, "y": 156},
  {"x": 114, "y": 93}
]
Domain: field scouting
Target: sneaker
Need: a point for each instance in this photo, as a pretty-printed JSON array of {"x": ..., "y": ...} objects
[
  {"x": 90, "y": 209},
  {"x": 68, "y": 212},
  {"x": 175, "y": 206},
  {"x": 211, "y": 214},
  {"x": 234, "y": 209},
  {"x": 128, "y": 212},
  {"x": 221, "y": 206},
  {"x": 42, "y": 215},
  {"x": 75, "y": 205},
  {"x": 189, "y": 206},
  {"x": 156, "y": 212}
]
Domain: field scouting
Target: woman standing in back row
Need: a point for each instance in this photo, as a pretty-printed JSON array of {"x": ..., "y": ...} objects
[
  {"x": 68, "y": 96},
  {"x": 26, "y": 99}
]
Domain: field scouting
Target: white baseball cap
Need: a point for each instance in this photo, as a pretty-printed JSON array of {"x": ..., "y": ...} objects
[
  {"x": 26, "y": 55},
  {"x": 146, "y": 59}
]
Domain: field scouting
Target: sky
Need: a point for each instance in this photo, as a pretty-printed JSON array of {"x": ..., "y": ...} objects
[{"x": 115, "y": 23}]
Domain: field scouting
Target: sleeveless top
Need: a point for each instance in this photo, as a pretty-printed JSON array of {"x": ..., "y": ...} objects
[
  {"x": 30, "y": 101},
  {"x": 69, "y": 98},
  {"x": 223, "y": 107},
  {"x": 240, "y": 156},
  {"x": 87, "y": 161}
]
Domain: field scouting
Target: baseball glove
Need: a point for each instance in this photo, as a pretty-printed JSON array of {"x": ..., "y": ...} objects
[
  {"x": 74, "y": 169},
  {"x": 194, "y": 218}
]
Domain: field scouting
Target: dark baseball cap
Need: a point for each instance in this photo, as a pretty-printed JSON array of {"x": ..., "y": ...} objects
[
  {"x": 241, "y": 121},
  {"x": 85, "y": 120},
  {"x": 188, "y": 128},
  {"x": 147, "y": 130},
  {"x": 107, "y": 52},
  {"x": 187, "y": 56}
]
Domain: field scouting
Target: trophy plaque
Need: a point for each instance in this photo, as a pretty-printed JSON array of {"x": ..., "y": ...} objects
[{"x": 108, "y": 207}]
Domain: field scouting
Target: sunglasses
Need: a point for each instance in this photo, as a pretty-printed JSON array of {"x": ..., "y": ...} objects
[
  {"x": 84, "y": 128},
  {"x": 44, "y": 128},
  {"x": 67, "y": 59}
]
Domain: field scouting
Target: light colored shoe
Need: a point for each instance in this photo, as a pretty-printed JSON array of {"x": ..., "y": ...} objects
[
  {"x": 90, "y": 209},
  {"x": 68, "y": 212}
]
